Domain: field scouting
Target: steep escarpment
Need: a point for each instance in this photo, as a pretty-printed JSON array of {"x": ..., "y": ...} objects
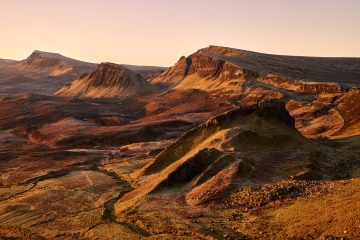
[
  {"x": 205, "y": 162},
  {"x": 106, "y": 81},
  {"x": 200, "y": 71},
  {"x": 224, "y": 70},
  {"x": 266, "y": 110},
  {"x": 300, "y": 86},
  {"x": 349, "y": 108},
  {"x": 174, "y": 74},
  {"x": 214, "y": 75},
  {"x": 313, "y": 83},
  {"x": 328, "y": 115}
]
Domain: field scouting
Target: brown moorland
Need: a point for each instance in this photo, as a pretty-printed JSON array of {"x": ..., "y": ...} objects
[{"x": 225, "y": 144}]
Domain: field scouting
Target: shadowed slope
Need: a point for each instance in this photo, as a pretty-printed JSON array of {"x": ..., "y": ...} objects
[{"x": 226, "y": 149}]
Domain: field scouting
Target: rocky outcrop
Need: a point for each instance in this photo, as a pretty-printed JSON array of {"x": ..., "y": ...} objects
[
  {"x": 255, "y": 95},
  {"x": 220, "y": 69},
  {"x": 300, "y": 86},
  {"x": 349, "y": 109},
  {"x": 211, "y": 160},
  {"x": 271, "y": 109},
  {"x": 201, "y": 71},
  {"x": 106, "y": 81},
  {"x": 174, "y": 74},
  {"x": 327, "y": 115},
  {"x": 209, "y": 67},
  {"x": 204, "y": 66}
]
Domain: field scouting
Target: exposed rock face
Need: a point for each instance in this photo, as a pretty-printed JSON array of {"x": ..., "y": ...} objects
[
  {"x": 209, "y": 67},
  {"x": 327, "y": 115},
  {"x": 106, "y": 81},
  {"x": 201, "y": 71},
  {"x": 256, "y": 77},
  {"x": 225, "y": 69},
  {"x": 349, "y": 109},
  {"x": 174, "y": 74},
  {"x": 300, "y": 86},
  {"x": 255, "y": 95},
  {"x": 204, "y": 66}
]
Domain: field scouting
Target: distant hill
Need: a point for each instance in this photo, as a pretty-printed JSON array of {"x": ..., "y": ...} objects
[
  {"x": 108, "y": 80},
  {"x": 46, "y": 72},
  {"x": 41, "y": 72}
]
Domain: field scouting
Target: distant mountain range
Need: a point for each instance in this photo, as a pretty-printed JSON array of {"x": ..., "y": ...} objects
[{"x": 45, "y": 73}]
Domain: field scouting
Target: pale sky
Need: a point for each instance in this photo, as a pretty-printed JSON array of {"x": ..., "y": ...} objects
[{"x": 158, "y": 32}]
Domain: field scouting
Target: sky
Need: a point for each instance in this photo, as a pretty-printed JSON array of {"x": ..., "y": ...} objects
[{"x": 158, "y": 32}]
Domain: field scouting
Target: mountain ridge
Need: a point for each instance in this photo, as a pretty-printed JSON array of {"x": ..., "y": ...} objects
[
  {"x": 309, "y": 69},
  {"x": 46, "y": 72}
]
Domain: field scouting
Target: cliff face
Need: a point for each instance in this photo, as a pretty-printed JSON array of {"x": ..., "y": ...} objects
[
  {"x": 210, "y": 67},
  {"x": 258, "y": 95},
  {"x": 201, "y": 71},
  {"x": 174, "y": 74},
  {"x": 210, "y": 160},
  {"x": 270, "y": 109},
  {"x": 204, "y": 66},
  {"x": 313, "y": 82},
  {"x": 218, "y": 68},
  {"x": 106, "y": 81},
  {"x": 300, "y": 86},
  {"x": 109, "y": 75}
]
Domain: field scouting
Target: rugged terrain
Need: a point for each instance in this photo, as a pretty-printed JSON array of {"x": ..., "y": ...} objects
[
  {"x": 45, "y": 73},
  {"x": 225, "y": 144},
  {"x": 107, "y": 80}
]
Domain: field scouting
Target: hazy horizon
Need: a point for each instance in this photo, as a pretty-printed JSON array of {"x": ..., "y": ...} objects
[{"x": 159, "y": 32}]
